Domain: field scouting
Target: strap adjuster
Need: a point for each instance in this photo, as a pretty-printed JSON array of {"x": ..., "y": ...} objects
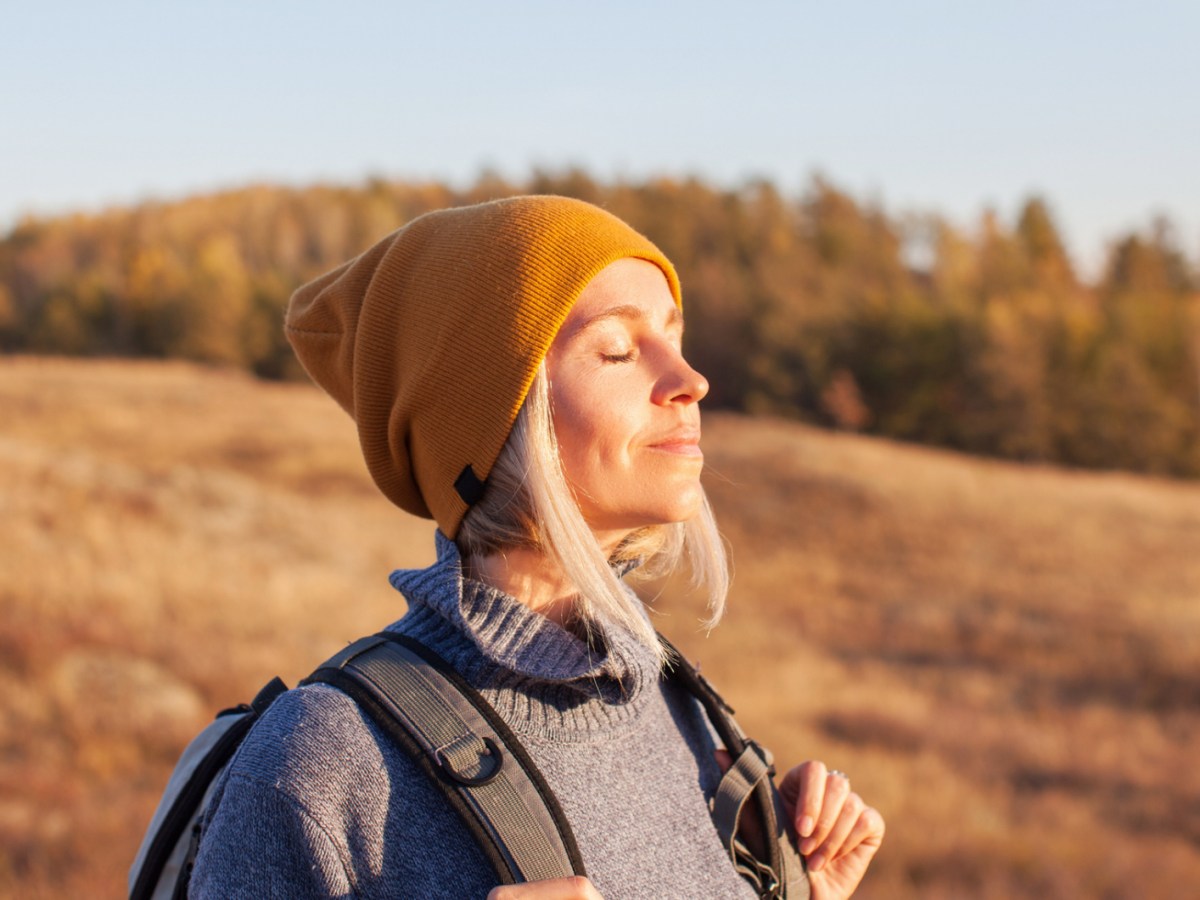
[{"x": 444, "y": 756}]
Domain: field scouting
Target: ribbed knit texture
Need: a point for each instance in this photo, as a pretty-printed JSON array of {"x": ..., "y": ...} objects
[
  {"x": 431, "y": 338},
  {"x": 317, "y": 803}
]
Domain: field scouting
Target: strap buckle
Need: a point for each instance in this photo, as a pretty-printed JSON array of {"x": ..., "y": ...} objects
[
  {"x": 445, "y": 762},
  {"x": 761, "y": 877}
]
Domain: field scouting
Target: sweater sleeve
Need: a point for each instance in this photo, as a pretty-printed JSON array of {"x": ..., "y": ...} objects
[
  {"x": 262, "y": 843},
  {"x": 317, "y": 802}
]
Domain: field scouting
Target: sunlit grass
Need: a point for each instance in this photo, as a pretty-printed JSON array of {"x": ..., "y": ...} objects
[{"x": 1003, "y": 658}]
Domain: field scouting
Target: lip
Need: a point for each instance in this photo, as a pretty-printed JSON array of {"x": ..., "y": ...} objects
[{"x": 684, "y": 442}]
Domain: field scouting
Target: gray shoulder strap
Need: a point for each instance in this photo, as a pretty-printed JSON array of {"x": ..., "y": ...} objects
[
  {"x": 776, "y": 870},
  {"x": 466, "y": 748},
  {"x": 737, "y": 788}
]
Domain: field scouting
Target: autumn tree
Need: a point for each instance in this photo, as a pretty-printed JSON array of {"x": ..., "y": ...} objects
[{"x": 811, "y": 306}]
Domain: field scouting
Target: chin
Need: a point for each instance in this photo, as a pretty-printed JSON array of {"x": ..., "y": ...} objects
[
  {"x": 662, "y": 507},
  {"x": 683, "y": 510}
]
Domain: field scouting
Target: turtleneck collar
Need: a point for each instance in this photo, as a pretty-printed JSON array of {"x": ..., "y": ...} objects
[{"x": 497, "y": 642}]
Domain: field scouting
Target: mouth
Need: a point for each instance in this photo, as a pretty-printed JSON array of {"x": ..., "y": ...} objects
[{"x": 685, "y": 442}]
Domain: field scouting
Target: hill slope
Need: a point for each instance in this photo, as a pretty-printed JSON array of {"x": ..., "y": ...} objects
[{"x": 1003, "y": 658}]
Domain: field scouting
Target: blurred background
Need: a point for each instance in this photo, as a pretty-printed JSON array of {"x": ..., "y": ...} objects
[{"x": 941, "y": 265}]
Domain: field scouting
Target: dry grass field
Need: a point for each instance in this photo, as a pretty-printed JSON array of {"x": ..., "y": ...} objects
[{"x": 1005, "y": 659}]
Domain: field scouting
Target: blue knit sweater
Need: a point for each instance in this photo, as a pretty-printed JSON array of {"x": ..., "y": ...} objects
[{"x": 319, "y": 803}]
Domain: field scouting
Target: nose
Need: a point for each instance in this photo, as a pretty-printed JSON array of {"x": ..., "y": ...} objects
[{"x": 679, "y": 382}]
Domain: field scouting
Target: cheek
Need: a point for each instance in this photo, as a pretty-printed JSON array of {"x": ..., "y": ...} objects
[
  {"x": 591, "y": 431},
  {"x": 578, "y": 432},
  {"x": 573, "y": 439}
]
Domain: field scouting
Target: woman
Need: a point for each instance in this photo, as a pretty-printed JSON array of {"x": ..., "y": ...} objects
[{"x": 515, "y": 373}]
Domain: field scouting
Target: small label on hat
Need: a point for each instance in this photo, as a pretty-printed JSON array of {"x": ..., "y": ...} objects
[{"x": 469, "y": 487}]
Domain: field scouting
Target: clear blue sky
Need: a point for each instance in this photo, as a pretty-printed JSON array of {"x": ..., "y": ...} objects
[{"x": 923, "y": 106}]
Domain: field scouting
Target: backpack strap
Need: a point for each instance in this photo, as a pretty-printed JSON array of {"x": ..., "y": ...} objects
[
  {"x": 466, "y": 748},
  {"x": 774, "y": 868}
]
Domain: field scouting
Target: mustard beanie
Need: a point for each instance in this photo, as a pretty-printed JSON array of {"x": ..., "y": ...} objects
[{"x": 431, "y": 339}]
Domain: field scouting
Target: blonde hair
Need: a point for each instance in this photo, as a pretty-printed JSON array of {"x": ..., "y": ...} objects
[{"x": 528, "y": 503}]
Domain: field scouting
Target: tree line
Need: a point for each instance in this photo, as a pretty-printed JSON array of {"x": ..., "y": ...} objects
[{"x": 815, "y": 306}]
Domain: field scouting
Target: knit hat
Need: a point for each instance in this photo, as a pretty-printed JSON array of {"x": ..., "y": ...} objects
[{"x": 431, "y": 339}]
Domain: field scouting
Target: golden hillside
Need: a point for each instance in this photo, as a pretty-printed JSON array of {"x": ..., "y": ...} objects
[{"x": 1004, "y": 658}]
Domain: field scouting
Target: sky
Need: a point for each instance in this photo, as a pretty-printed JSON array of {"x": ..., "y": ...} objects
[{"x": 923, "y": 107}]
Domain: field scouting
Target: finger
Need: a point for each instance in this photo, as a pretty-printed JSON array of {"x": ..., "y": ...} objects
[
  {"x": 835, "y": 790},
  {"x": 837, "y": 841},
  {"x": 857, "y": 852},
  {"x": 867, "y": 832},
  {"x": 576, "y": 887},
  {"x": 724, "y": 760},
  {"x": 804, "y": 787}
]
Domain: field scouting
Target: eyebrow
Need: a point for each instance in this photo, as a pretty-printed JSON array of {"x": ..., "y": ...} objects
[{"x": 629, "y": 312}]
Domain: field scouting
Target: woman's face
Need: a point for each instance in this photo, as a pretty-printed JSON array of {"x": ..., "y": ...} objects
[{"x": 625, "y": 403}]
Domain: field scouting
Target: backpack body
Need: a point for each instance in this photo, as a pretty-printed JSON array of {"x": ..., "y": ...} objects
[{"x": 162, "y": 866}]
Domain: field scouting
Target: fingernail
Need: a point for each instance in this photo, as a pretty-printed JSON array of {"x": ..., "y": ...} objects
[{"x": 806, "y": 826}]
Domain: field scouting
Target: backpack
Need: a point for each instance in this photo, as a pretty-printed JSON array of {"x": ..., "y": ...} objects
[{"x": 469, "y": 752}]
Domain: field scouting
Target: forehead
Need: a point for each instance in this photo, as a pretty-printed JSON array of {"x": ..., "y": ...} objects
[{"x": 626, "y": 289}]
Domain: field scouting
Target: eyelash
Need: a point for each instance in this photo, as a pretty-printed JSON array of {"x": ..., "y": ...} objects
[{"x": 628, "y": 356}]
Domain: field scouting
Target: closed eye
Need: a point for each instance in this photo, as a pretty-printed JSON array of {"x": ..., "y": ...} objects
[{"x": 627, "y": 356}]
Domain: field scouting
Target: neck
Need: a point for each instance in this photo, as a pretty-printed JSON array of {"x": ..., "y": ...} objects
[{"x": 531, "y": 578}]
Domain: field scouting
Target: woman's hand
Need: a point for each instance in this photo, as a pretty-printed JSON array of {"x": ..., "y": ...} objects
[
  {"x": 838, "y": 833},
  {"x": 574, "y": 888}
]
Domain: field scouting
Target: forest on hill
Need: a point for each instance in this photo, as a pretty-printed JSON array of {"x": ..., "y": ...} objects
[{"x": 817, "y": 307}]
